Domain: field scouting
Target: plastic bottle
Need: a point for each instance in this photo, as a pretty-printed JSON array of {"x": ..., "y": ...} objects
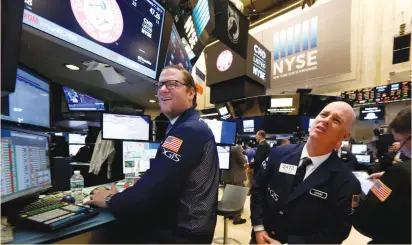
[{"x": 76, "y": 187}]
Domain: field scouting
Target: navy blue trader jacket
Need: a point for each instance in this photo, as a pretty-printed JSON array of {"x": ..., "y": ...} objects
[
  {"x": 176, "y": 200},
  {"x": 318, "y": 211}
]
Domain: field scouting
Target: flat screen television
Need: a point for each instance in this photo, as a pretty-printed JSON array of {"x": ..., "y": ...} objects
[
  {"x": 224, "y": 132},
  {"x": 81, "y": 102},
  {"x": 127, "y": 32},
  {"x": 125, "y": 127},
  {"x": 30, "y": 102},
  {"x": 372, "y": 113},
  {"x": 176, "y": 53}
]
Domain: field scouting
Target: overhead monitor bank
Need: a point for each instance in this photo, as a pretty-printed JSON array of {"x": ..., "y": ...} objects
[{"x": 126, "y": 32}]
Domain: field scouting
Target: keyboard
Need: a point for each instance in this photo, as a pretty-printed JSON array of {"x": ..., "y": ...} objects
[
  {"x": 42, "y": 202},
  {"x": 55, "y": 216}
]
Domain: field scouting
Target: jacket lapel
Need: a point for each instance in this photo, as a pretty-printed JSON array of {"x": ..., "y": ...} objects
[{"x": 319, "y": 176}]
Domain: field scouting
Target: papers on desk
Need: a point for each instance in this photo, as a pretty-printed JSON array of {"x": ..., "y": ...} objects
[{"x": 366, "y": 184}]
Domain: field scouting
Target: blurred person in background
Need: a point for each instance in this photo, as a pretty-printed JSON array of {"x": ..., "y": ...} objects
[{"x": 385, "y": 213}]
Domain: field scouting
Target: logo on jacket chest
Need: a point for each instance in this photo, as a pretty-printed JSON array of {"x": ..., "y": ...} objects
[{"x": 273, "y": 194}]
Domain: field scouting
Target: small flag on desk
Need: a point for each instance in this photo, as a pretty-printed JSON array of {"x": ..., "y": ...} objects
[
  {"x": 172, "y": 143},
  {"x": 381, "y": 191}
]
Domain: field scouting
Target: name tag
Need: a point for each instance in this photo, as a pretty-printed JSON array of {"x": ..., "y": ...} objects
[
  {"x": 318, "y": 193},
  {"x": 288, "y": 168}
]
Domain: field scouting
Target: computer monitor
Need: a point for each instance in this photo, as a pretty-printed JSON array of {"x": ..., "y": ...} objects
[
  {"x": 359, "y": 149},
  {"x": 30, "y": 102},
  {"x": 125, "y": 127},
  {"x": 224, "y": 131},
  {"x": 77, "y": 139},
  {"x": 81, "y": 102},
  {"x": 224, "y": 157},
  {"x": 73, "y": 149},
  {"x": 249, "y": 126},
  {"x": 363, "y": 158},
  {"x": 25, "y": 163},
  {"x": 136, "y": 157}
]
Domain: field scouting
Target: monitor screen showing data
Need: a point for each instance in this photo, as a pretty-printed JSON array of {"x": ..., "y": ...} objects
[
  {"x": 136, "y": 157},
  {"x": 77, "y": 138},
  {"x": 81, "y": 102},
  {"x": 224, "y": 157},
  {"x": 126, "y": 127},
  {"x": 25, "y": 163},
  {"x": 363, "y": 158},
  {"x": 74, "y": 149},
  {"x": 176, "y": 53},
  {"x": 249, "y": 126},
  {"x": 224, "y": 132},
  {"x": 127, "y": 32},
  {"x": 359, "y": 149},
  {"x": 30, "y": 102}
]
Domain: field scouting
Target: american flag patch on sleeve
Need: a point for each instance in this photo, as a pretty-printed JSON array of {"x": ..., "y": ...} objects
[
  {"x": 381, "y": 191},
  {"x": 172, "y": 143}
]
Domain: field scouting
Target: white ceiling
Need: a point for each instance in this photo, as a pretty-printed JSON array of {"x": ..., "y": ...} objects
[{"x": 47, "y": 56}]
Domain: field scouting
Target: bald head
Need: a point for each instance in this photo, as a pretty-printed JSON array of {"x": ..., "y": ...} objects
[{"x": 347, "y": 113}]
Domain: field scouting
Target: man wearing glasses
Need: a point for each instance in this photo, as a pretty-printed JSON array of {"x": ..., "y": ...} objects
[{"x": 176, "y": 200}]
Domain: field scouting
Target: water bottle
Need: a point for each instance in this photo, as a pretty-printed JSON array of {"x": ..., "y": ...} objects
[{"x": 76, "y": 187}]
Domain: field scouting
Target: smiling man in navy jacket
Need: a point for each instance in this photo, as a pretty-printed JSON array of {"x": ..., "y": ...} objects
[
  {"x": 176, "y": 200},
  {"x": 304, "y": 193}
]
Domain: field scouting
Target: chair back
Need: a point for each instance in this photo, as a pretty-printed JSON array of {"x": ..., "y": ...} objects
[{"x": 235, "y": 194}]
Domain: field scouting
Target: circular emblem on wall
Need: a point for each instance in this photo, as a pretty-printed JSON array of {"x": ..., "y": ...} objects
[
  {"x": 224, "y": 60},
  {"x": 100, "y": 19}
]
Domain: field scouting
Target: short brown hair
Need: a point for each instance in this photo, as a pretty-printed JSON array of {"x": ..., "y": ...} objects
[
  {"x": 188, "y": 79},
  {"x": 402, "y": 122},
  {"x": 262, "y": 133}
]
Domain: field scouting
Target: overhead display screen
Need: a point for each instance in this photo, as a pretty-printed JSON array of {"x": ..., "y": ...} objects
[
  {"x": 81, "y": 102},
  {"x": 381, "y": 94},
  {"x": 372, "y": 113},
  {"x": 258, "y": 61},
  {"x": 176, "y": 53},
  {"x": 30, "y": 102},
  {"x": 285, "y": 104},
  {"x": 127, "y": 32}
]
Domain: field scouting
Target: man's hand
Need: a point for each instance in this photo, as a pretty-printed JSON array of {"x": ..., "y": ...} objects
[
  {"x": 376, "y": 175},
  {"x": 99, "y": 195},
  {"x": 262, "y": 237}
]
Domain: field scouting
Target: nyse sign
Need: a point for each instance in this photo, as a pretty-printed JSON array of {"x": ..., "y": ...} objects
[
  {"x": 259, "y": 62},
  {"x": 190, "y": 32},
  {"x": 295, "y": 49}
]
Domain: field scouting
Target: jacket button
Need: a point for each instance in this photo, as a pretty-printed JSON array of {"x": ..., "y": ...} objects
[{"x": 281, "y": 212}]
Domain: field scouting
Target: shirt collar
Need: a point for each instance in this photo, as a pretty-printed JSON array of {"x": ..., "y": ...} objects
[
  {"x": 316, "y": 161},
  {"x": 174, "y": 120}
]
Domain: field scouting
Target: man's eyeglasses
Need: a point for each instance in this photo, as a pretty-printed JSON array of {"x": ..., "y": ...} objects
[{"x": 170, "y": 85}]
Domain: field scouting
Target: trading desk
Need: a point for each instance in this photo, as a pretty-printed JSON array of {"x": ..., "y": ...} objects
[
  {"x": 29, "y": 236},
  {"x": 24, "y": 235}
]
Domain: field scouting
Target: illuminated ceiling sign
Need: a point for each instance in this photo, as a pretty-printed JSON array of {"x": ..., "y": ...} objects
[
  {"x": 201, "y": 15},
  {"x": 191, "y": 32}
]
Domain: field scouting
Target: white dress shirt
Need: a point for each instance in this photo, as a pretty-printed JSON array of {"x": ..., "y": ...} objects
[
  {"x": 174, "y": 120},
  {"x": 316, "y": 162}
]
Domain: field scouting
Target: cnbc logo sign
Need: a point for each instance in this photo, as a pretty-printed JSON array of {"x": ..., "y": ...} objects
[{"x": 295, "y": 49}]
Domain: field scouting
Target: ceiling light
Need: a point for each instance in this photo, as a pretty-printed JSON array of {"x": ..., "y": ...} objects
[
  {"x": 254, "y": 10},
  {"x": 152, "y": 101},
  {"x": 72, "y": 67}
]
